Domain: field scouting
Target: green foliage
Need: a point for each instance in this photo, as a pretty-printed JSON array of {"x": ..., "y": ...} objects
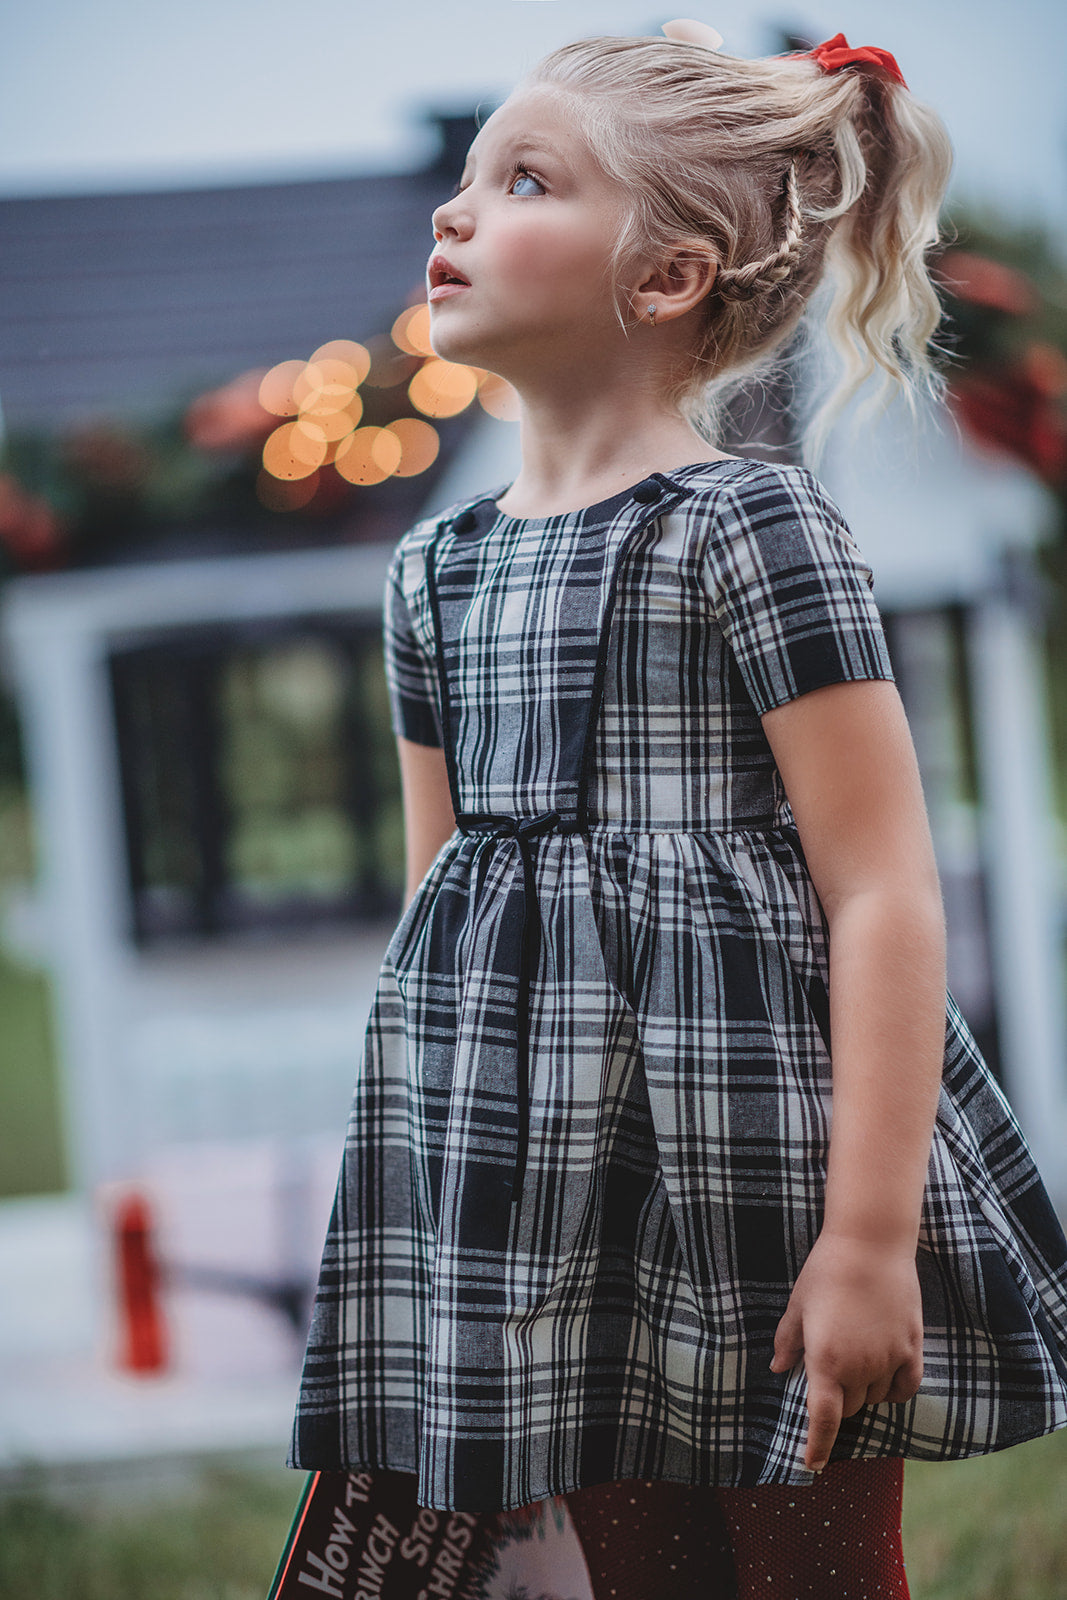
[
  {"x": 114, "y": 485},
  {"x": 1005, "y": 333},
  {"x": 1028, "y": 249}
]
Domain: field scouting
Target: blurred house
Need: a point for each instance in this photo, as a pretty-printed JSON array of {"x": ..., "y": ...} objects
[
  {"x": 204, "y": 712},
  {"x": 207, "y": 737},
  {"x": 114, "y": 303},
  {"x": 952, "y": 533}
]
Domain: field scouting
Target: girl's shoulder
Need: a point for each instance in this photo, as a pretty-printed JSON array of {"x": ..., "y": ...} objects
[
  {"x": 747, "y": 500},
  {"x": 751, "y": 483}
]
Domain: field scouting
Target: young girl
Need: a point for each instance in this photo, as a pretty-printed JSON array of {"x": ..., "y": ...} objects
[{"x": 593, "y": 1236}]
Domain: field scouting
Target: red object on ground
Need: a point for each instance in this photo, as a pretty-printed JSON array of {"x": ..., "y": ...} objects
[{"x": 143, "y": 1336}]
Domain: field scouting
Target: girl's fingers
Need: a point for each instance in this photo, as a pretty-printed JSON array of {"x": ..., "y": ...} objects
[
  {"x": 853, "y": 1399},
  {"x": 825, "y": 1410},
  {"x": 788, "y": 1343},
  {"x": 906, "y": 1380},
  {"x": 878, "y": 1392}
]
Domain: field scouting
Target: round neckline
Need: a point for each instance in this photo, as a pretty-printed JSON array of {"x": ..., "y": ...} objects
[{"x": 601, "y": 509}]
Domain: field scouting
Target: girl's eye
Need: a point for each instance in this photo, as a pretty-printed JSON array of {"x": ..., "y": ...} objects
[{"x": 521, "y": 182}]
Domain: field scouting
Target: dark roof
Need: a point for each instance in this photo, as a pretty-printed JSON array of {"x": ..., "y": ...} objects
[{"x": 116, "y": 302}]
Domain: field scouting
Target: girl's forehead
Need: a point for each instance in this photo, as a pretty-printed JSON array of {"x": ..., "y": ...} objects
[{"x": 537, "y": 116}]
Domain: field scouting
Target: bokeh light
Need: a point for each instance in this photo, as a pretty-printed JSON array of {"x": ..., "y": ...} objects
[
  {"x": 293, "y": 452},
  {"x": 419, "y": 445},
  {"x": 353, "y": 354},
  {"x": 442, "y": 388},
  {"x": 333, "y": 425},
  {"x": 325, "y": 386},
  {"x": 498, "y": 398},
  {"x": 370, "y": 455},
  {"x": 411, "y": 331},
  {"x": 322, "y": 395},
  {"x": 276, "y": 389}
]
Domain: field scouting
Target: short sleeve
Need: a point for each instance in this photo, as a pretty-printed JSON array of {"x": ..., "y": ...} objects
[
  {"x": 791, "y": 590},
  {"x": 409, "y": 665}
]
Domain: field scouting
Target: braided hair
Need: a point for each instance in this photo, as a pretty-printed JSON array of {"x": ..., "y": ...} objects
[
  {"x": 757, "y": 277},
  {"x": 787, "y": 178}
]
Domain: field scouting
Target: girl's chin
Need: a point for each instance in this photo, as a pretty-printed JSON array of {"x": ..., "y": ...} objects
[{"x": 462, "y": 352}]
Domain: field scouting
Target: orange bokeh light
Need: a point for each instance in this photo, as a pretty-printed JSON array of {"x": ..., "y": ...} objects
[
  {"x": 292, "y": 452},
  {"x": 370, "y": 455},
  {"x": 276, "y": 389},
  {"x": 419, "y": 444},
  {"x": 332, "y": 425},
  {"x": 353, "y": 354},
  {"x": 411, "y": 331},
  {"x": 442, "y": 388},
  {"x": 496, "y": 396},
  {"x": 325, "y": 386}
]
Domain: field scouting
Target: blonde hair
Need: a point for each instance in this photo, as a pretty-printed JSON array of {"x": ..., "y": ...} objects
[{"x": 787, "y": 175}]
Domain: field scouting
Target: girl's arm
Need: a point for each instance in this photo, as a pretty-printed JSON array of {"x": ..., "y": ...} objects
[
  {"x": 428, "y": 815},
  {"x": 855, "y": 1314}
]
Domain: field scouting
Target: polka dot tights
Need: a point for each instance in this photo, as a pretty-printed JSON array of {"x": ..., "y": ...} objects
[{"x": 837, "y": 1540}]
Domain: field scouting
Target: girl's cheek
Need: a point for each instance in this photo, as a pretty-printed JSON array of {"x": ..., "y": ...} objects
[{"x": 525, "y": 255}]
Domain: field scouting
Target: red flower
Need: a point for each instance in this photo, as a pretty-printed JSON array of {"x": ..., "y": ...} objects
[
  {"x": 230, "y": 418},
  {"x": 29, "y": 528},
  {"x": 835, "y": 53},
  {"x": 1011, "y": 409},
  {"x": 982, "y": 282}
]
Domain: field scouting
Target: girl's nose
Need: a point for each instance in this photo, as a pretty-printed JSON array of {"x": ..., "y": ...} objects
[{"x": 451, "y": 218}]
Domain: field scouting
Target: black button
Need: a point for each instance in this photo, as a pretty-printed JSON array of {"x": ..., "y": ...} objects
[
  {"x": 647, "y": 492},
  {"x": 466, "y": 522}
]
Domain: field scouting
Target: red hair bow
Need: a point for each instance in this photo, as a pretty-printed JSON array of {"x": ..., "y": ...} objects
[{"x": 837, "y": 52}]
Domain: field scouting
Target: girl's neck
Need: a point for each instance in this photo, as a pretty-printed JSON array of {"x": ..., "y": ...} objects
[{"x": 587, "y": 447}]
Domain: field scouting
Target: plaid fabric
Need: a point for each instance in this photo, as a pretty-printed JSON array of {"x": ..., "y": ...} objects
[{"x": 613, "y": 1317}]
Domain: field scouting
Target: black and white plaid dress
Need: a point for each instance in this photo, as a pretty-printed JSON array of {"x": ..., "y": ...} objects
[{"x": 587, "y": 1151}]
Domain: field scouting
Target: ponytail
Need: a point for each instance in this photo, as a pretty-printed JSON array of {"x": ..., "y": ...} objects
[
  {"x": 894, "y": 158},
  {"x": 790, "y": 176}
]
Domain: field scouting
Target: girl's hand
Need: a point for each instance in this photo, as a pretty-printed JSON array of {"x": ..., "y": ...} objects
[{"x": 855, "y": 1319}]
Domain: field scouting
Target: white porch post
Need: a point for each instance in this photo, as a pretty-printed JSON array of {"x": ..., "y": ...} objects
[{"x": 1012, "y": 739}]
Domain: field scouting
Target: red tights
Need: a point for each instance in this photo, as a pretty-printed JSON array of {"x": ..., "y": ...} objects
[{"x": 837, "y": 1540}]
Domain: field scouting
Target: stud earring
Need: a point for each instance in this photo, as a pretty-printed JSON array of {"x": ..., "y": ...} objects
[{"x": 652, "y": 316}]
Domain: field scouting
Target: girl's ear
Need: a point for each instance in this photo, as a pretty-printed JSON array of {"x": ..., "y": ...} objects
[{"x": 676, "y": 285}]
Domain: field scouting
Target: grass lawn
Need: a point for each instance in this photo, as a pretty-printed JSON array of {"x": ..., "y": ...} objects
[
  {"x": 217, "y": 1539},
  {"x": 994, "y": 1528},
  {"x": 31, "y": 1155},
  {"x": 990, "y": 1529}
]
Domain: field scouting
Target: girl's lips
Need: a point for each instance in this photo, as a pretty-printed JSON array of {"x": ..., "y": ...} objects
[
  {"x": 445, "y": 291},
  {"x": 442, "y": 279}
]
